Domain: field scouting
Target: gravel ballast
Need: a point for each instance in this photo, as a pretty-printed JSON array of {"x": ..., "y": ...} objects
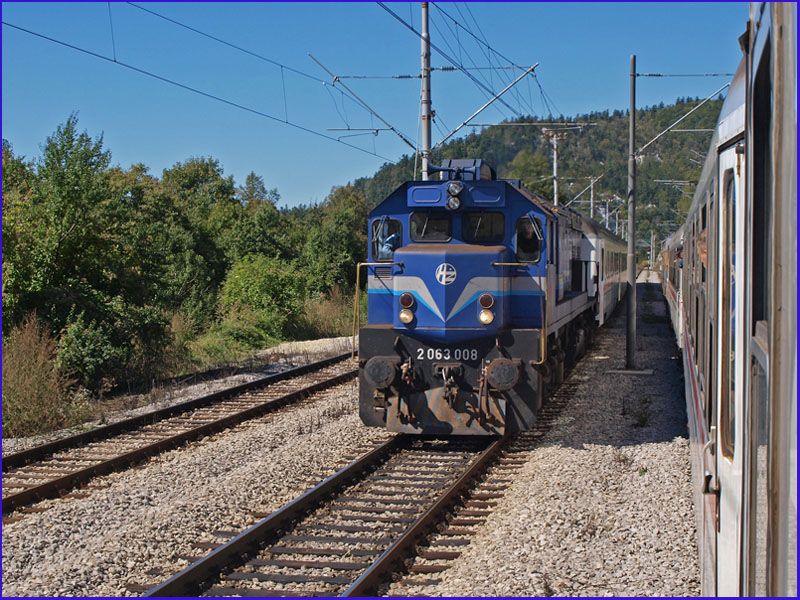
[
  {"x": 132, "y": 526},
  {"x": 603, "y": 505},
  {"x": 267, "y": 362}
]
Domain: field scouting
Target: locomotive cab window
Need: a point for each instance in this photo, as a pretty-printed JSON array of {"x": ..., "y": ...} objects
[
  {"x": 431, "y": 226},
  {"x": 483, "y": 227},
  {"x": 387, "y": 236},
  {"x": 529, "y": 239}
]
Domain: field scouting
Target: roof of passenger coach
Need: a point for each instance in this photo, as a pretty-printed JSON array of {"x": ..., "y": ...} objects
[
  {"x": 675, "y": 241},
  {"x": 730, "y": 124}
]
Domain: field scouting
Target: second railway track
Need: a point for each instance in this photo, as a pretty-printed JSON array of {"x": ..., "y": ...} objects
[{"x": 49, "y": 470}]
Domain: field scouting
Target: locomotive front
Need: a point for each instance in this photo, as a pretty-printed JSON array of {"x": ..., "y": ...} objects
[{"x": 456, "y": 300}]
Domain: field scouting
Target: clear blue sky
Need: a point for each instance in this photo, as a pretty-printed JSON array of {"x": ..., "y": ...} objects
[{"x": 583, "y": 51}]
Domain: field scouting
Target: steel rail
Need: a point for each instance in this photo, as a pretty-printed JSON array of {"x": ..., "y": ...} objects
[
  {"x": 394, "y": 555},
  {"x": 200, "y": 575},
  {"x": 54, "y": 487},
  {"x": 192, "y": 579},
  {"x": 20, "y": 459}
]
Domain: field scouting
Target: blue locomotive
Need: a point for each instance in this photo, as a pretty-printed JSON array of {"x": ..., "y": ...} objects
[{"x": 479, "y": 293}]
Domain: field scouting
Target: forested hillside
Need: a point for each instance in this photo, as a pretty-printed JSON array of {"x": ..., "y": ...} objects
[
  {"x": 523, "y": 152},
  {"x": 115, "y": 275}
]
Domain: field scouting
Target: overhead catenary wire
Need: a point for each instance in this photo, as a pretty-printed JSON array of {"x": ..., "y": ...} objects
[
  {"x": 349, "y": 94},
  {"x": 227, "y": 43},
  {"x": 361, "y": 102},
  {"x": 504, "y": 77},
  {"x": 189, "y": 88},
  {"x": 261, "y": 57},
  {"x": 461, "y": 52},
  {"x": 447, "y": 57},
  {"x": 684, "y": 74},
  {"x": 111, "y": 27},
  {"x": 478, "y": 39}
]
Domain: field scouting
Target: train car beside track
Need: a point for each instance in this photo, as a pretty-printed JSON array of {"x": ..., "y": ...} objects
[
  {"x": 729, "y": 276},
  {"x": 480, "y": 293}
]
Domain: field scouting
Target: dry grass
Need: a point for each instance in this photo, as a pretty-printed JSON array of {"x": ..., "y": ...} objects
[
  {"x": 36, "y": 396},
  {"x": 331, "y": 315}
]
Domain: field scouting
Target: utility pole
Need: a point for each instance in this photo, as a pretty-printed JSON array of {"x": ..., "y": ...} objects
[
  {"x": 425, "y": 96},
  {"x": 591, "y": 199},
  {"x": 630, "y": 339},
  {"x": 652, "y": 249},
  {"x": 607, "y": 219},
  {"x": 554, "y": 141},
  {"x": 554, "y": 135}
]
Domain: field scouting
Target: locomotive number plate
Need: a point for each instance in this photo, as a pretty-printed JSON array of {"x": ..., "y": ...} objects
[{"x": 447, "y": 354}]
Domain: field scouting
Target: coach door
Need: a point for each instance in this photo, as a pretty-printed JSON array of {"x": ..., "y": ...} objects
[{"x": 729, "y": 448}]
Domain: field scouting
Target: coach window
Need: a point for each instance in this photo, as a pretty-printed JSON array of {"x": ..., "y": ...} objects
[
  {"x": 728, "y": 320},
  {"x": 483, "y": 227},
  {"x": 431, "y": 226},
  {"x": 387, "y": 236},
  {"x": 529, "y": 239}
]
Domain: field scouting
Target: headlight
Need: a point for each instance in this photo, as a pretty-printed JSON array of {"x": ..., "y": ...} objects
[
  {"x": 406, "y": 316},
  {"x": 454, "y": 187},
  {"x": 486, "y": 317},
  {"x": 453, "y": 202},
  {"x": 486, "y": 301},
  {"x": 406, "y": 300}
]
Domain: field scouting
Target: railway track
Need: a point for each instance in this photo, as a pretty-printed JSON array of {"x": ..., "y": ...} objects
[
  {"x": 49, "y": 470},
  {"x": 408, "y": 498},
  {"x": 351, "y": 531}
]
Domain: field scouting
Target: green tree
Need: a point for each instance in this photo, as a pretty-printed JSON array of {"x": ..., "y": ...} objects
[
  {"x": 534, "y": 170},
  {"x": 334, "y": 247},
  {"x": 267, "y": 286}
]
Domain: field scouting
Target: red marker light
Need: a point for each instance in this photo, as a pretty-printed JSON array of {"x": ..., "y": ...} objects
[
  {"x": 486, "y": 301},
  {"x": 406, "y": 300}
]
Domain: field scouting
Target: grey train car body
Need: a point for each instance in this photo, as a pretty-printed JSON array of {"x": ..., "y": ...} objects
[{"x": 729, "y": 277}]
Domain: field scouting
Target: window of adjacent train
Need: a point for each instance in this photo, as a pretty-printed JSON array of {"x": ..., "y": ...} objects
[
  {"x": 483, "y": 227},
  {"x": 728, "y": 320},
  {"x": 529, "y": 239},
  {"x": 430, "y": 226},
  {"x": 387, "y": 236}
]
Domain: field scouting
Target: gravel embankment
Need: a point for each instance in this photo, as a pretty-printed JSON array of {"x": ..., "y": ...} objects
[
  {"x": 273, "y": 360},
  {"x": 603, "y": 505},
  {"x": 133, "y": 525}
]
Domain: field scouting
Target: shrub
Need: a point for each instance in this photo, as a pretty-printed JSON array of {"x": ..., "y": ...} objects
[
  {"x": 86, "y": 353},
  {"x": 36, "y": 396},
  {"x": 270, "y": 288},
  {"x": 233, "y": 338}
]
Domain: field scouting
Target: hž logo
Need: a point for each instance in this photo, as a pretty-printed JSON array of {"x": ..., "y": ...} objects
[{"x": 445, "y": 273}]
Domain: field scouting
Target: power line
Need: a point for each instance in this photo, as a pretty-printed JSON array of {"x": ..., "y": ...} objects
[
  {"x": 504, "y": 80},
  {"x": 684, "y": 74},
  {"x": 463, "y": 51},
  {"x": 477, "y": 39},
  {"x": 227, "y": 43},
  {"x": 111, "y": 26},
  {"x": 191, "y": 89},
  {"x": 362, "y": 103},
  {"x": 444, "y": 54},
  {"x": 442, "y": 69},
  {"x": 261, "y": 57}
]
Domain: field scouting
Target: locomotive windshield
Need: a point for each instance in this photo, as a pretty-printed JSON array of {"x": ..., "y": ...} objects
[
  {"x": 483, "y": 227},
  {"x": 529, "y": 239},
  {"x": 430, "y": 226}
]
